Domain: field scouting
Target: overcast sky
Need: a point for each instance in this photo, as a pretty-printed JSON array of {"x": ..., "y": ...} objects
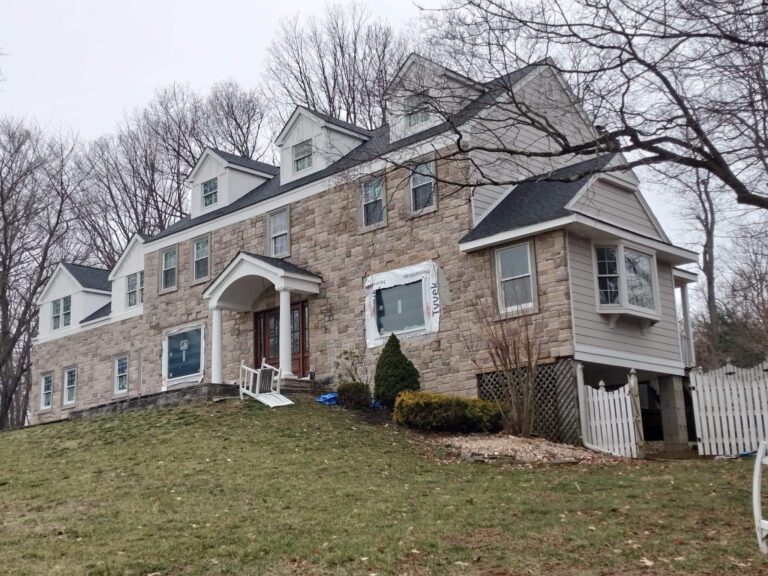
[{"x": 81, "y": 64}]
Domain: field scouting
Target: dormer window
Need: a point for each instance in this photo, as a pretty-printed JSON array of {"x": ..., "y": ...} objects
[
  {"x": 210, "y": 192},
  {"x": 417, "y": 112},
  {"x": 61, "y": 312},
  {"x": 302, "y": 156},
  {"x": 135, "y": 287}
]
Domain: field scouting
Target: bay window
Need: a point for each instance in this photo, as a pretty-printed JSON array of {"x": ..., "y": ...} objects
[
  {"x": 626, "y": 280},
  {"x": 515, "y": 282}
]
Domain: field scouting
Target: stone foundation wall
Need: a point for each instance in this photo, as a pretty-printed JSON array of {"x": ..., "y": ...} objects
[{"x": 326, "y": 239}]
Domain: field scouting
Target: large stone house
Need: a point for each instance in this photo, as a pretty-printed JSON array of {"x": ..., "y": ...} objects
[{"x": 359, "y": 234}]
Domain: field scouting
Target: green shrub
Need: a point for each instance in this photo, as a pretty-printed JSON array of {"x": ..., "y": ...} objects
[
  {"x": 394, "y": 373},
  {"x": 353, "y": 395},
  {"x": 439, "y": 413}
]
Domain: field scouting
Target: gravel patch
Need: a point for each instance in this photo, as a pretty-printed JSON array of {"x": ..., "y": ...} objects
[{"x": 522, "y": 450}]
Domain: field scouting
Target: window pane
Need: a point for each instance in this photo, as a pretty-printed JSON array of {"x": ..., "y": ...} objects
[
  {"x": 372, "y": 189},
  {"x": 422, "y": 174},
  {"x": 280, "y": 245},
  {"x": 201, "y": 248},
  {"x": 422, "y": 197},
  {"x": 169, "y": 259},
  {"x": 169, "y": 278},
  {"x": 273, "y": 338},
  {"x": 47, "y": 391},
  {"x": 295, "y": 326},
  {"x": 210, "y": 194},
  {"x": 302, "y": 155},
  {"x": 639, "y": 279},
  {"x": 514, "y": 261},
  {"x": 67, "y": 303},
  {"x": 66, "y": 318},
  {"x": 400, "y": 308},
  {"x": 184, "y": 353},
  {"x": 56, "y": 322},
  {"x": 373, "y": 212},
  {"x": 56, "y": 307},
  {"x": 606, "y": 261},
  {"x": 70, "y": 381},
  {"x": 201, "y": 268},
  {"x": 279, "y": 222},
  {"x": 517, "y": 292},
  {"x": 609, "y": 289},
  {"x": 131, "y": 282}
]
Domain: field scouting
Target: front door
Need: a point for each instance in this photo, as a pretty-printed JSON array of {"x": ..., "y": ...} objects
[{"x": 267, "y": 337}]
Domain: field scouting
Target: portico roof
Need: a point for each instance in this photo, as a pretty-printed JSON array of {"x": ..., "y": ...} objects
[{"x": 249, "y": 275}]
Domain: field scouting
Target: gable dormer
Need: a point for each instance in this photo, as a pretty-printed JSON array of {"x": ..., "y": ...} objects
[
  {"x": 220, "y": 178},
  {"x": 424, "y": 94},
  {"x": 73, "y": 293},
  {"x": 127, "y": 279},
  {"x": 311, "y": 141}
]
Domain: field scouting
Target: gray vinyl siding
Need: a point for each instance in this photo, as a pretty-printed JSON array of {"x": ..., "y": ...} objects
[
  {"x": 497, "y": 128},
  {"x": 618, "y": 206},
  {"x": 626, "y": 336}
]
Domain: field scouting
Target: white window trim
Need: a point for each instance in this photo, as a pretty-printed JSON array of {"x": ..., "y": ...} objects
[
  {"x": 194, "y": 260},
  {"x": 139, "y": 289},
  {"x": 383, "y": 222},
  {"x": 163, "y": 252},
  {"x": 54, "y": 315},
  {"x": 295, "y": 158},
  {"x": 44, "y": 406},
  {"x": 203, "y": 205},
  {"x": 196, "y": 377},
  {"x": 270, "y": 236},
  {"x": 624, "y": 307},
  {"x": 64, "y": 402},
  {"x": 115, "y": 374},
  {"x": 429, "y": 209},
  {"x": 60, "y": 315},
  {"x": 524, "y": 308}
]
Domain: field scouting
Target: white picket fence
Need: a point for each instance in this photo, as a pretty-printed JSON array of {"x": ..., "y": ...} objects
[
  {"x": 730, "y": 407},
  {"x": 610, "y": 421}
]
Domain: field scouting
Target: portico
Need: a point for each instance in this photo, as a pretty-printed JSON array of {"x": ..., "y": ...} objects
[{"x": 246, "y": 279}]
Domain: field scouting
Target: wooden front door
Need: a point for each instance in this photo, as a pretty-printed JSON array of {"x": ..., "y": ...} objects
[{"x": 267, "y": 338}]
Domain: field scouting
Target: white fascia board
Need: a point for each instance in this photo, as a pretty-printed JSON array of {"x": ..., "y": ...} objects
[
  {"x": 248, "y": 170},
  {"x": 516, "y": 234},
  {"x": 684, "y": 275},
  {"x": 134, "y": 239},
  {"x": 95, "y": 291},
  {"x": 280, "y": 138},
  {"x": 60, "y": 269},
  {"x": 83, "y": 326},
  {"x": 610, "y": 357},
  {"x": 341, "y": 130},
  {"x": 200, "y": 161},
  {"x": 681, "y": 254}
]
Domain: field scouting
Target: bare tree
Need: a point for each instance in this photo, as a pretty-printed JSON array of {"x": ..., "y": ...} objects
[
  {"x": 134, "y": 179},
  {"x": 667, "y": 81},
  {"x": 37, "y": 178},
  {"x": 340, "y": 65},
  {"x": 513, "y": 347}
]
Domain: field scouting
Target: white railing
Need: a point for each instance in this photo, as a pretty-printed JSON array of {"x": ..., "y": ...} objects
[
  {"x": 610, "y": 421},
  {"x": 730, "y": 407},
  {"x": 255, "y": 381}
]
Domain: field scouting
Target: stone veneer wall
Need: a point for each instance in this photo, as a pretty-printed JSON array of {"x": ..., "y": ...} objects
[{"x": 325, "y": 239}]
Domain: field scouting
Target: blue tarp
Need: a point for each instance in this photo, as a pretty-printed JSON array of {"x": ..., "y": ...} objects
[{"x": 327, "y": 399}]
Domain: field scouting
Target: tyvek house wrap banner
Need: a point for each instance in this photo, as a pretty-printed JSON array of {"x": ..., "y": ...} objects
[{"x": 424, "y": 271}]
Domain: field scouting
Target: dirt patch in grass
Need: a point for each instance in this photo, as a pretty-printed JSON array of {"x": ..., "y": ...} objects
[{"x": 514, "y": 449}]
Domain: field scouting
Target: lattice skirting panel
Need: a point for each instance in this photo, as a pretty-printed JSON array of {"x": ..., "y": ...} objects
[{"x": 557, "y": 404}]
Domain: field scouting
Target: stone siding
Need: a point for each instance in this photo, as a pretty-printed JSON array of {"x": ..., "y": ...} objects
[{"x": 326, "y": 239}]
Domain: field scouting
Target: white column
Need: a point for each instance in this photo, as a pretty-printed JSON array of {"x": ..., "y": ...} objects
[
  {"x": 217, "y": 372},
  {"x": 285, "y": 332}
]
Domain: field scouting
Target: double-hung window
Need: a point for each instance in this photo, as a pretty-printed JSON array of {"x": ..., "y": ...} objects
[
  {"x": 373, "y": 202},
  {"x": 46, "y": 391},
  {"x": 302, "y": 156},
  {"x": 135, "y": 288},
  {"x": 279, "y": 234},
  {"x": 121, "y": 374},
  {"x": 422, "y": 188},
  {"x": 61, "y": 312},
  {"x": 626, "y": 280},
  {"x": 168, "y": 265},
  {"x": 200, "y": 258},
  {"x": 70, "y": 385},
  {"x": 515, "y": 279},
  {"x": 210, "y": 192}
]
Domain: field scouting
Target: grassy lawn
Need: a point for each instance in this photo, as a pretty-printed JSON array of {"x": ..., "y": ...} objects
[{"x": 236, "y": 488}]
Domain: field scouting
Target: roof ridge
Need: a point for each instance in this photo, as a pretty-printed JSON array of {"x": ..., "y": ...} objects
[{"x": 83, "y": 265}]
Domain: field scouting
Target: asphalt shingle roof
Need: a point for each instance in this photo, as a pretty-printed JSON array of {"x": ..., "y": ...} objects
[
  {"x": 89, "y": 276},
  {"x": 378, "y": 143},
  {"x": 282, "y": 264},
  {"x": 337, "y": 122},
  {"x": 540, "y": 199},
  {"x": 102, "y": 312},
  {"x": 246, "y": 162}
]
